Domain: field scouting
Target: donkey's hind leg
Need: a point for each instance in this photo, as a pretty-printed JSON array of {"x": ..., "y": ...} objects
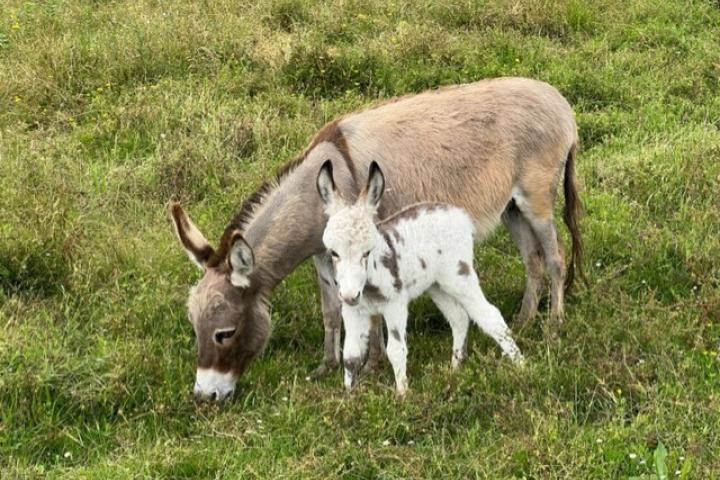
[
  {"x": 532, "y": 256},
  {"x": 536, "y": 205},
  {"x": 459, "y": 323},
  {"x": 555, "y": 260}
]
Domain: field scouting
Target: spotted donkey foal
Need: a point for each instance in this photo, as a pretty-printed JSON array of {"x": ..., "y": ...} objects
[{"x": 379, "y": 269}]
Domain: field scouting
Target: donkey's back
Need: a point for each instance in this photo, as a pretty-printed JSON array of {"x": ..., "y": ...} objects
[
  {"x": 496, "y": 148},
  {"x": 467, "y": 145}
]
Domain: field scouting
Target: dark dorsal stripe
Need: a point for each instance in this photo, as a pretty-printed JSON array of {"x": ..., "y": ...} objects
[
  {"x": 410, "y": 213},
  {"x": 331, "y": 133}
]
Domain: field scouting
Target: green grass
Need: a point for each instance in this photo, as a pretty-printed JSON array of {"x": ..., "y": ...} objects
[{"x": 110, "y": 108}]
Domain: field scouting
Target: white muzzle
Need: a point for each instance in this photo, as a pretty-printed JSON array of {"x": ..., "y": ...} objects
[{"x": 213, "y": 385}]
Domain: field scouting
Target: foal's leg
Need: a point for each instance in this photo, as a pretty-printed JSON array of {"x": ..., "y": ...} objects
[
  {"x": 357, "y": 331},
  {"x": 532, "y": 256},
  {"x": 396, "y": 319},
  {"x": 458, "y": 320},
  {"x": 331, "y": 307},
  {"x": 468, "y": 293}
]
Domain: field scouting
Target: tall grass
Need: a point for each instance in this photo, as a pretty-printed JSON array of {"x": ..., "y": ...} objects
[{"x": 109, "y": 109}]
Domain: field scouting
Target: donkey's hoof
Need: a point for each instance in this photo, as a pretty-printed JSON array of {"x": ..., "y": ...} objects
[
  {"x": 371, "y": 366},
  {"x": 323, "y": 370},
  {"x": 557, "y": 319},
  {"x": 521, "y": 319},
  {"x": 551, "y": 331}
]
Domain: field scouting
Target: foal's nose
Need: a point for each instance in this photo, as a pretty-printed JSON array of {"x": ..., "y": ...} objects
[{"x": 350, "y": 299}]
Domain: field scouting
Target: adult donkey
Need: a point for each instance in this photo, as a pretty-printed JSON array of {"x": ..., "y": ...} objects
[{"x": 496, "y": 148}]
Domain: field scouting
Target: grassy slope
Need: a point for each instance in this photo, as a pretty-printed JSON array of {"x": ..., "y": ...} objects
[{"x": 110, "y": 108}]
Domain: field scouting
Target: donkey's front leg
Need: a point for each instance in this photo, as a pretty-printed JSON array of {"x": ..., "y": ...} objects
[{"x": 331, "y": 308}]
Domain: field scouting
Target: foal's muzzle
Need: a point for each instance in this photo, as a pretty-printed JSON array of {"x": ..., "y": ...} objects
[{"x": 350, "y": 299}]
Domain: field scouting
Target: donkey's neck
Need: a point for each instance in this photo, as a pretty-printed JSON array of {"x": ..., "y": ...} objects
[{"x": 285, "y": 228}]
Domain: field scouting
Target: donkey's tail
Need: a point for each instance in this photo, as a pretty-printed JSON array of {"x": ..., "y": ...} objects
[{"x": 571, "y": 216}]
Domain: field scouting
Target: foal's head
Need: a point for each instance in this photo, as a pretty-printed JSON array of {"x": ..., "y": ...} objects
[{"x": 350, "y": 234}]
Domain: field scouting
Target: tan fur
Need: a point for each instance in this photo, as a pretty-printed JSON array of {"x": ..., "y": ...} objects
[{"x": 468, "y": 145}]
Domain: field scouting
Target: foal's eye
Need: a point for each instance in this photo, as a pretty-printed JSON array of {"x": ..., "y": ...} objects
[
  {"x": 222, "y": 334},
  {"x": 366, "y": 254},
  {"x": 334, "y": 254}
]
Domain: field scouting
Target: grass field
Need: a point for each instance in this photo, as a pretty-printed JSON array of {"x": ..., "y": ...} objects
[{"x": 108, "y": 109}]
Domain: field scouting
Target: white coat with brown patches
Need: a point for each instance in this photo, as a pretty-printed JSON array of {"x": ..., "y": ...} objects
[{"x": 380, "y": 268}]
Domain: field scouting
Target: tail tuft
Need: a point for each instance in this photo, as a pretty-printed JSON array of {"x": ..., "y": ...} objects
[{"x": 571, "y": 216}]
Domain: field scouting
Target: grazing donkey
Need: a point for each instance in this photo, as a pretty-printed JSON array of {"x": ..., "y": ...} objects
[
  {"x": 496, "y": 148},
  {"x": 379, "y": 269}
]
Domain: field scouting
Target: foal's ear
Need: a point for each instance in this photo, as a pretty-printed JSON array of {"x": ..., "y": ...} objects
[
  {"x": 240, "y": 260},
  {"x": 375, "y": 187},
  {"x": 196, "y": 247},
  {"x": 326, "y": 187}
]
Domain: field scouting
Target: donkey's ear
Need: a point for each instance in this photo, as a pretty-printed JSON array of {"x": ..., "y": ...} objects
[
  {"x": 196, "y": 247},
  {"x": 375, "y": 186},
  {"x": 240, "y": 260},
  {"x": 326, "y": 187}
]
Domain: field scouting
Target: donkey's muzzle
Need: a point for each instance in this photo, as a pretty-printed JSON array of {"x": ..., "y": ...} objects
[
  {"x": 213, "y": 385},
  {"x": 213, "y": 396}
]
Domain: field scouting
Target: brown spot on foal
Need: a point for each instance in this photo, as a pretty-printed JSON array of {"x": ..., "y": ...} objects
[{"x": 463, "y": 268}]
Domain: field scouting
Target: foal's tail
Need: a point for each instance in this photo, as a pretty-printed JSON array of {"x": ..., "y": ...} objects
[{"x": 571, "y": 215}]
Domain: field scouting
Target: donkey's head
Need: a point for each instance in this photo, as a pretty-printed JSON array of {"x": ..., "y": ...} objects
[
  {"x": 350, "y": 234},
  {"x": 226, "y": 308}
]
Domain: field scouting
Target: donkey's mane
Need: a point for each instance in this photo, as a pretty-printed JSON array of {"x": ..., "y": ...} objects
[
  {"x": 329, "y": 133},
  {"x": 248, "y": 208}
]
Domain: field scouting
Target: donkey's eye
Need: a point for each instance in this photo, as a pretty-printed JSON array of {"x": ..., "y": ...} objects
[
  {"x": 334, "y": 254},
  {"x": 366, "y": 254},
  {"x": 224, "y": 334}
]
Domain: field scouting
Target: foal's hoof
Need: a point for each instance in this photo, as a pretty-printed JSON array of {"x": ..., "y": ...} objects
[
  {"x": 323, "y": 370},
  {"x": 519, "y": 362}
]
